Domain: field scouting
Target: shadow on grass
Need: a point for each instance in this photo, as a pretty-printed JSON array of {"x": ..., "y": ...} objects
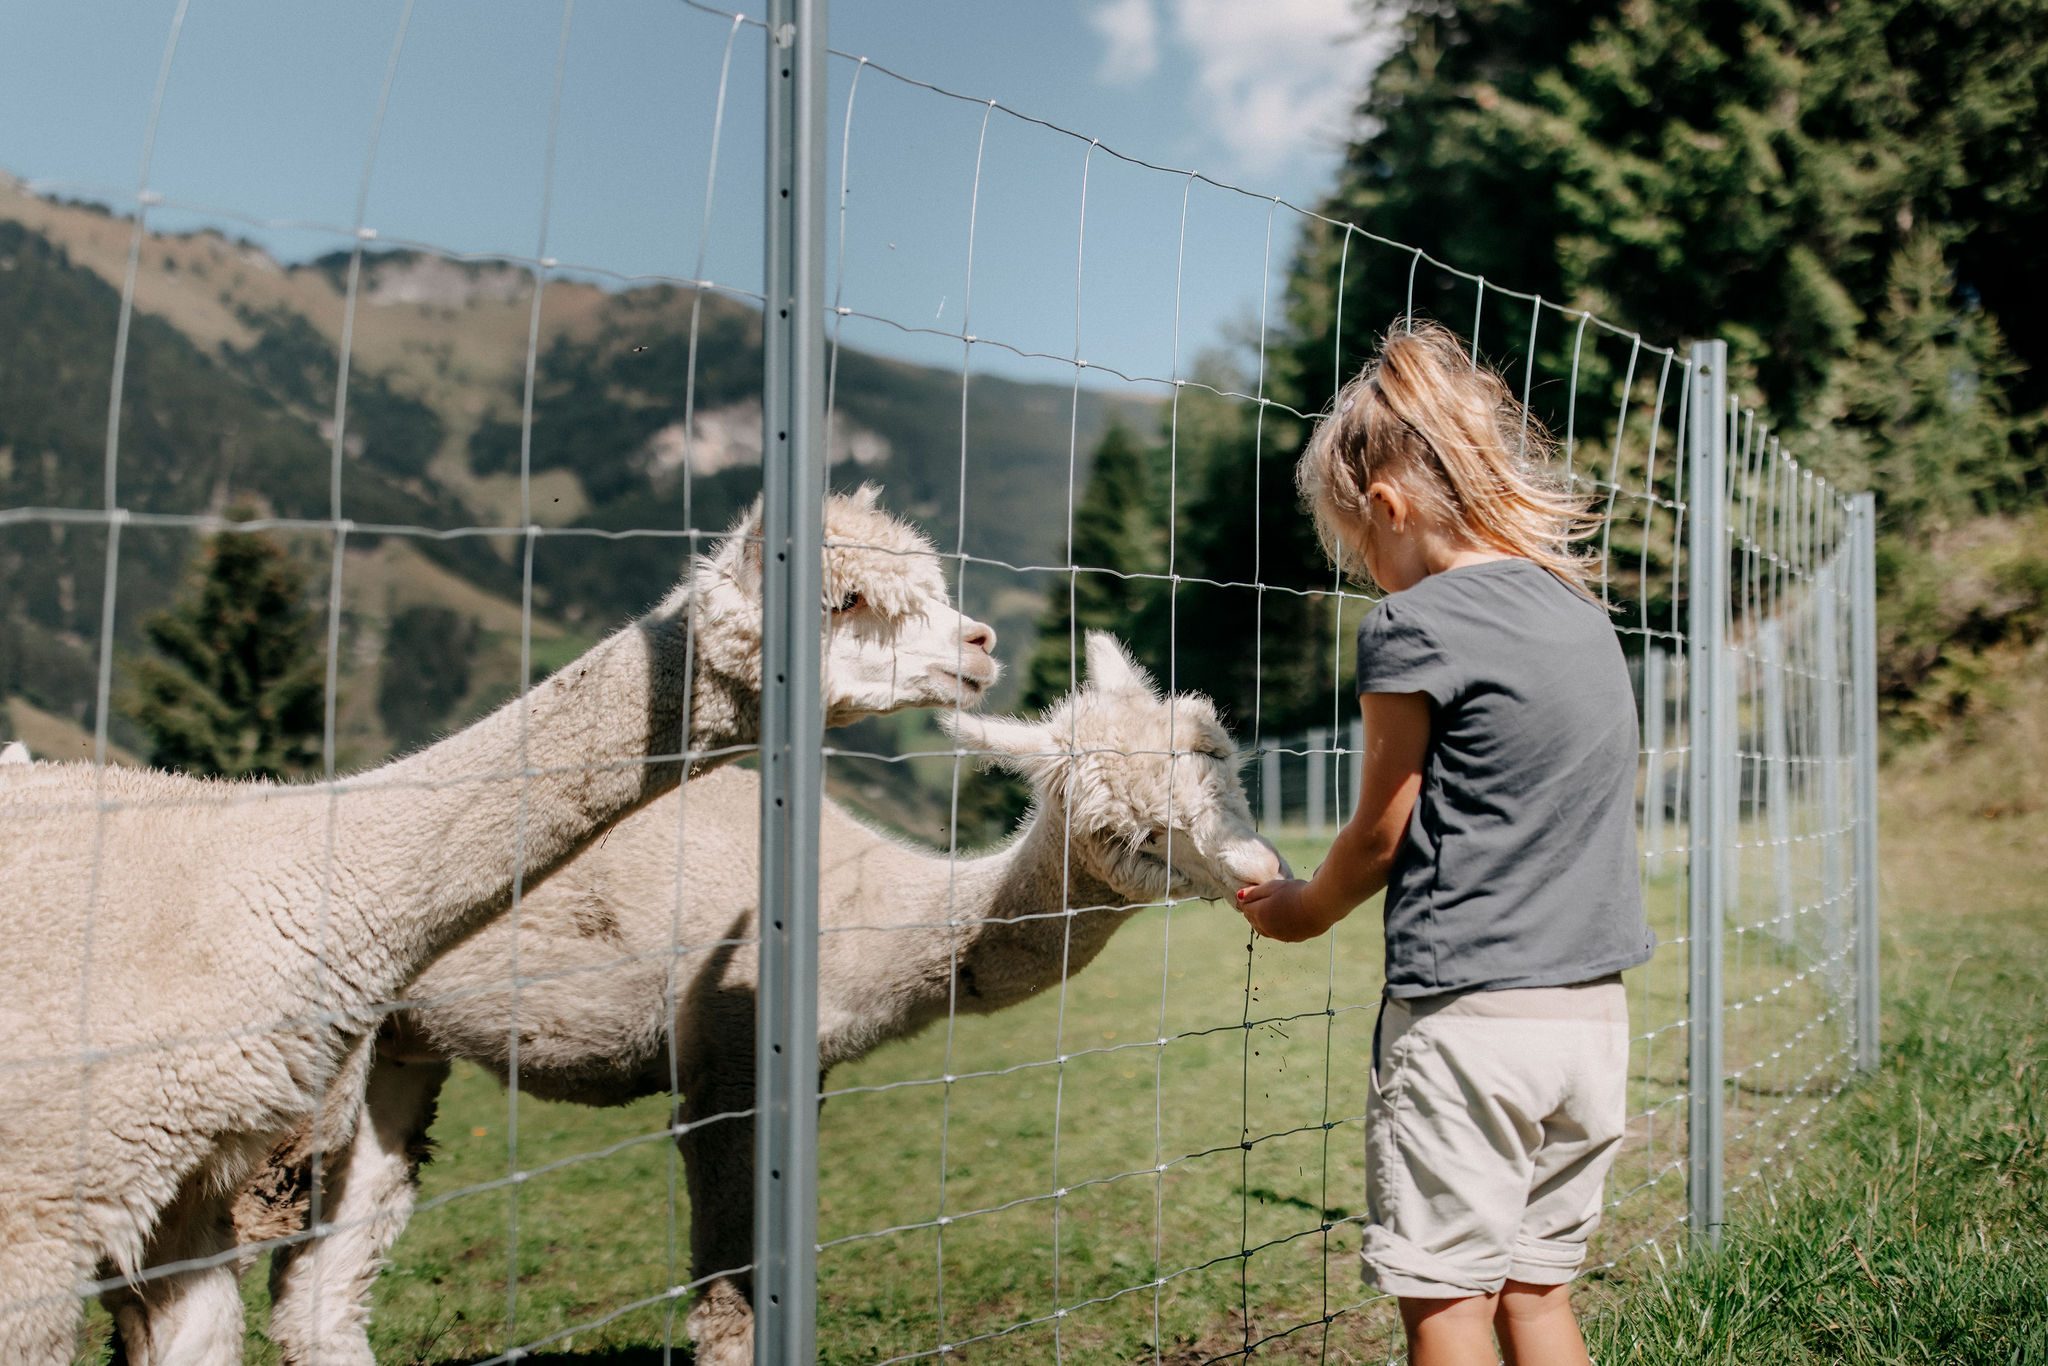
[{"x": 614, "y": 1356}]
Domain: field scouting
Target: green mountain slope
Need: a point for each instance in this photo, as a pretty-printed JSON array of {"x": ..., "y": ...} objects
[{"x": 228, "y": 402}]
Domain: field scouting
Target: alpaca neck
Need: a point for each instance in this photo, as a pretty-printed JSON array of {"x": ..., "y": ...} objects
[
  {"x": 429, "y": 846},
  {"x": 1021, "y": 943}
]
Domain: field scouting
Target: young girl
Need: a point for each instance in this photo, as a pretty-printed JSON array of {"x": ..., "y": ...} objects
[{"x": 1497, "y": 810}]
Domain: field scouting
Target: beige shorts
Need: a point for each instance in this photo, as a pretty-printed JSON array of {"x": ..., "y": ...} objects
[{"x": 1490, "y": 1127}]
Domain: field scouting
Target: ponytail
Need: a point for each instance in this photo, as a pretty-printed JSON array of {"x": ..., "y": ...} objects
[{"x": 1422, "y": 414}]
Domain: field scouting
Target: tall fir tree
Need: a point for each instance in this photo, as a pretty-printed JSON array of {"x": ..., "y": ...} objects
[
  {"x": 235, "y": 687},
  {"x": 1849, "y": 192},
  {"x": 1920, "y": 408},
  {"x": 1747, "y": 169},
  {"x": 1118, "y": 532},
  {"x": 1262, "y": 642},
  {"x": 1190, "y": 525}
]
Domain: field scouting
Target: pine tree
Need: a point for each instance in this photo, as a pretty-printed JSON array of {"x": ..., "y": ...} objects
[
  {"x": 1212, "y": 502},
  {"x": 1922, "y": 402},
  {"x": 1118, "y": 532},
  {"x": 1263, "y": 653},
  {"x": 235, "y": 688},
  {"x": 1756, "y": 170}
]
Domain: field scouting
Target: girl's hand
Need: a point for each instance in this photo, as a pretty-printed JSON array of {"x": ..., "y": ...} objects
[{"x": 1281, "y": 909}]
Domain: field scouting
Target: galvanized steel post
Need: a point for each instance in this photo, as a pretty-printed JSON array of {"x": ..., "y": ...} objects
[
  {"x": 1318, "y": 784},
  {"x": 1835, "y": 830},
  {"x": 792, "y": 721},
  {"x": 1347, "y": 800},
  {"x": 1863, "y": 675},
  {"x": 1710, "y": 739},
  {"x": 1654, "y": 705}
]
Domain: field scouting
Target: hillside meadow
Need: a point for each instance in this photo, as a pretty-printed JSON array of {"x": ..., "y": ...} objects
[{"x": 1908, "y": 1223}]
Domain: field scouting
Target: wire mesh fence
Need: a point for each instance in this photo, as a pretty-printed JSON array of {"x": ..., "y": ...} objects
[{"x": 1070, "y": 1108}]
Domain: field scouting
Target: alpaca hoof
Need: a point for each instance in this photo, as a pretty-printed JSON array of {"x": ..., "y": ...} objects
[{"x": 722, "y": 1325}]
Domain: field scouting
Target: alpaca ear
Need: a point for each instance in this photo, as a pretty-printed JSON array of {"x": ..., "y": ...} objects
[
  {"x": 741, "y": 548},
  {"x": 1111, "y": 668},
  {"x": 748, "y": 523},
  {"x": 1009, "y": 740},
  {"x": 868, "y": 496}
]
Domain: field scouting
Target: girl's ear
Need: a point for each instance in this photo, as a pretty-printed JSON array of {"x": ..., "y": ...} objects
[{"x": 1387, "y": 498}]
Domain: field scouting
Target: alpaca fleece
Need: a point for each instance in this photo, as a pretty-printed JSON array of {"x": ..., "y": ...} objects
[
  {"x": 192, "y": 966},
  {"x": 650, "y": 938}
]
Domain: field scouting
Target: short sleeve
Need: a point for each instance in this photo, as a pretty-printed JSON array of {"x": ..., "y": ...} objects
[{"x": 1397, "y": 654}]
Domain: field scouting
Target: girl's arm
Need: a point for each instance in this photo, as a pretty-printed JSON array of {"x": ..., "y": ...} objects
[{"x": 1396, "y": 740}]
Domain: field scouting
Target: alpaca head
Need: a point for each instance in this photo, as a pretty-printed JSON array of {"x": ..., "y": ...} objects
[
  {"x": 1148, "y": 782},
  {"x": 893, "y": 638}
]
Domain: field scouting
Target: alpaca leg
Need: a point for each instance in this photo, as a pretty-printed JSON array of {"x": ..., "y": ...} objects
[
  {"x": 189, "y": 1318},
  {"x": 718, "y": 1158},
  {"x": 194, "y": 1319},
  {"x": 131, "y": 1327},
  {"x": 320, "y": 1289},
  {"x": 39, "y": 1305}
]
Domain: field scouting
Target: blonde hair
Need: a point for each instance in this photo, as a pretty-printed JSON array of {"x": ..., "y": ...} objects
[{"x": 1422, "y": 414}]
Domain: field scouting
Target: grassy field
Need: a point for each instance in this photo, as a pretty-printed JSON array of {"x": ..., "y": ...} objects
[
  {"x": 1916, "y": 1229},
  {"x": 1905, "y": 1221}
]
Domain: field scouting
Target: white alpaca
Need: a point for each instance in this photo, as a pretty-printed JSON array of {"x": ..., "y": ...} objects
[
  {"x": 14, "y": 752},
  {"x": 605, "y": 962},
  {"x": 189, "y": 965}
]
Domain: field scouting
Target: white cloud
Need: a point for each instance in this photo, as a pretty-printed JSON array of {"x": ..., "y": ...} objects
[
  {"x": 1130, "y": 28},
  {"x": 1276, "y": 78},
  {"x": 1273, "y": 79}
]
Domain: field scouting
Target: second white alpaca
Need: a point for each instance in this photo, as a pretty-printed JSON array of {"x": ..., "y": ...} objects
[{"x": 611, "y": 950}]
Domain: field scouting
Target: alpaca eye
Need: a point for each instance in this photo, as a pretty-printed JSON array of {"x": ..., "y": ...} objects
[{"x": 850, "y": 602}]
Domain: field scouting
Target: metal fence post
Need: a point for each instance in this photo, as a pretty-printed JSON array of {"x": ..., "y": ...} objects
[
  {"x": 1318, "y": 783},
  {"x": 1777, "y": 763},
  {"x": 1654, "y": 662},
  {"x": 1347, "y": 800},
  {"x": 1709, "y": 733},
  {"x": 1833, "y": 868},
  {"x": 1863, "y": 672},
  {"x": 792, "y": 720}
]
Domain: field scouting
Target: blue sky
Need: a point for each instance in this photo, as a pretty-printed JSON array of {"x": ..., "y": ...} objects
[{"x": 268, "y": 112}]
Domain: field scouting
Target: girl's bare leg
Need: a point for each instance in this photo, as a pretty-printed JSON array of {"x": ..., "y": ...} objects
[
  {"x": 1450, "y": 1332},
  {"x": 1537, "y": 1327}
]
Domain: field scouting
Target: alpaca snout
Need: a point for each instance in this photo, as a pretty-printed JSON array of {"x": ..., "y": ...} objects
[
  {"x": 1255, "y": 861},
  {"x": 974, "y": 662},
  {"x": 977, "y": 634}
]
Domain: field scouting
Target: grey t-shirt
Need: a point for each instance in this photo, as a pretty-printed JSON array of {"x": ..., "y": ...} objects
[{"x": 1519, "y": 867}]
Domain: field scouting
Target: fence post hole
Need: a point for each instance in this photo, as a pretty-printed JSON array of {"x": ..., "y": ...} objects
[
  {"x": 1318, "y": 783},
  {"x": 792, "y": 721},
  {"x": 1863, "y": 672},
  {"x": 1709, "y": 692}
]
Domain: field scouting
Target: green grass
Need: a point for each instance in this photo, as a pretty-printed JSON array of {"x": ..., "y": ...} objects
[
  {"x": 1918, "y": 1231},
  {"x": 1904, "y": 1221},
  {"x": 1916, "y": 1228}
]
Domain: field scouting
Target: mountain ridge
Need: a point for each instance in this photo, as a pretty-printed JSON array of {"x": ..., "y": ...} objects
[{"x": 641, "y": 403}]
